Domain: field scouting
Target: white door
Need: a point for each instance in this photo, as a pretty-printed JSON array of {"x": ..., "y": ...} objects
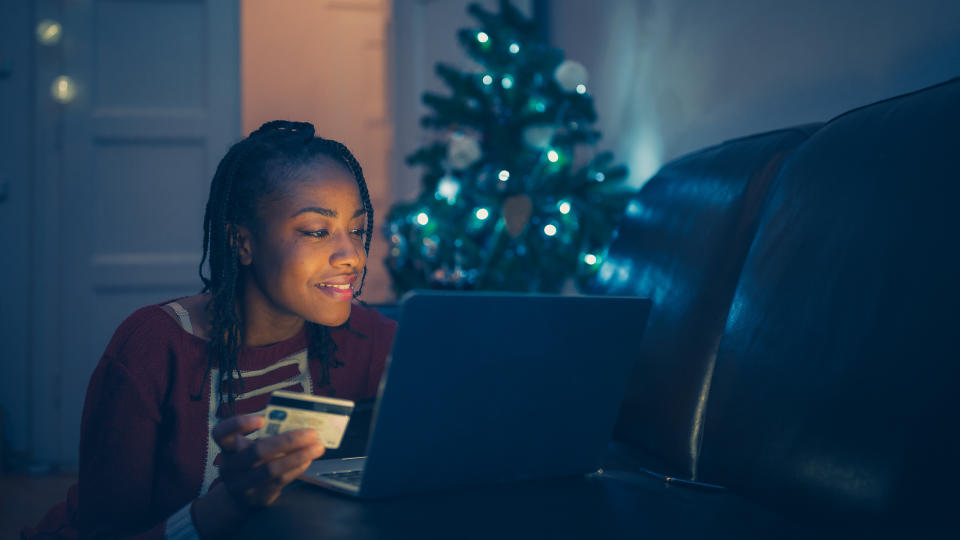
[{"x": 123, "y": 174}]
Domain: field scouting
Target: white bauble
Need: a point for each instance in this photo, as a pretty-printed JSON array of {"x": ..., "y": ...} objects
[
  {"x": 539, "y": 136},
  {"x": 462, "y": 151},
  {"x": 570, "y": 74}
]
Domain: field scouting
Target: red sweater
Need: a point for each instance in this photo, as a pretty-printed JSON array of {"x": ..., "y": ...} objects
[{"x": 145, "y": 445}]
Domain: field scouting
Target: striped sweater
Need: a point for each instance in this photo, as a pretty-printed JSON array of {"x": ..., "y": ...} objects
[{"x": 145, "y": 448}]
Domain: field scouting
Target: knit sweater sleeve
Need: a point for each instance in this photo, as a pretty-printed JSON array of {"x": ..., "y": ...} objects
[{"x": 122, "y": 419}]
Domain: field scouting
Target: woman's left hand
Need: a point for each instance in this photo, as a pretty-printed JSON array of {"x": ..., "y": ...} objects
[{"x": 255, "y": 471}]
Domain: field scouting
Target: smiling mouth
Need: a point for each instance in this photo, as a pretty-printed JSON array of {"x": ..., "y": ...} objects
[{"x": 342, "y": 287}]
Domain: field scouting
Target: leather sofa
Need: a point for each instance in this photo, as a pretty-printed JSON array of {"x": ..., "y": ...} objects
[{"x": 802, "y": 353}]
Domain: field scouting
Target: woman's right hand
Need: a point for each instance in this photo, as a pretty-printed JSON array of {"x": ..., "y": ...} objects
[{"x": 252, "y": 472}]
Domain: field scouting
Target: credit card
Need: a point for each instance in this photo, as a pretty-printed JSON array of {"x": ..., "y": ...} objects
[{"x": 287, "y": 411}]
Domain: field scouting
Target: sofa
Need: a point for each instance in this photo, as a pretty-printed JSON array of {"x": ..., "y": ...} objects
[{"x": 801, "y": 359}]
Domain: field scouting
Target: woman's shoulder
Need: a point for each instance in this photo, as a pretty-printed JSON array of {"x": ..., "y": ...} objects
[{"x": 147, "y": 328}]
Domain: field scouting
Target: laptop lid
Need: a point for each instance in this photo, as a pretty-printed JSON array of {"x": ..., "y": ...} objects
[{"x": 491, "y": 387}]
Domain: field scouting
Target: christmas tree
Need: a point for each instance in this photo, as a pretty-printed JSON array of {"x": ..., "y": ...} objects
[{"x": 515, "y": 196}]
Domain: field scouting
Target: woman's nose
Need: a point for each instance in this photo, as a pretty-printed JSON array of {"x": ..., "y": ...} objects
[{"x": 345, "y": 252}]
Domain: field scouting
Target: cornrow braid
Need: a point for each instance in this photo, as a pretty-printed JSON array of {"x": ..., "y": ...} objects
[{"x": 251, "y": 169}]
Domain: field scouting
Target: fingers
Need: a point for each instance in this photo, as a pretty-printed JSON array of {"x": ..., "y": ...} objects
[
  {"x": 282, "y": 471},
  {"x": 268, "y": 449},
  {"x": 262, "y": 485},
  {"x": 228, "y": 432}
]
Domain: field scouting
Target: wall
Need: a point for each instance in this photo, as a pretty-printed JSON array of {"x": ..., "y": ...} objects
[
  {"x": 325, "y": 63},
  {"x": 16, "y": 175},
  {"x": 673, "y": 76}
]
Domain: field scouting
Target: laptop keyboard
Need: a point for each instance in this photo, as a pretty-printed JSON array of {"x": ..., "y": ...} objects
[{"x": 347, "y": 477}]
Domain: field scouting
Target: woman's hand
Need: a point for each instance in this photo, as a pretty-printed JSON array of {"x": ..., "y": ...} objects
[
  {"x": 252, "y": 473},
  {"x": 255, "y": 471}
]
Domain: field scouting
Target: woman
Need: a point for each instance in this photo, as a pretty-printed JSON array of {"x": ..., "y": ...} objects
[{"x": 162, "y": 450}]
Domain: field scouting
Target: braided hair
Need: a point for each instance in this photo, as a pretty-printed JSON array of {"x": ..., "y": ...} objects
[{"x": 252, "y": 168}]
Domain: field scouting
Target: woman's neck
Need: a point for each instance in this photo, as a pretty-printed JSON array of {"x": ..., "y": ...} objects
[{"x": 264, "y": 323}]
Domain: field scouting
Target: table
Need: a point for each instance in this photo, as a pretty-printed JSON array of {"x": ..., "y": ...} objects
[{"x": 611, "y": 505}]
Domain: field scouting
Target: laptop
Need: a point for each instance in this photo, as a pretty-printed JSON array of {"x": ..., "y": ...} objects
[{"x": 485, "y": 388}]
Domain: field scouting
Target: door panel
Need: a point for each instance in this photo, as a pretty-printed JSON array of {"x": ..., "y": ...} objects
[{"x": 158, "y": 105}]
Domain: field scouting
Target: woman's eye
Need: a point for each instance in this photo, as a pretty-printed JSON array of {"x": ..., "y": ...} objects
[
  {"x": 322, "y": 233},
  {"x": 360, "y": 232}
]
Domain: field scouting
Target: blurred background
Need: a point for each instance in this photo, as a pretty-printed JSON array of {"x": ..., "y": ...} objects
[{"x": 115, "y": 113}]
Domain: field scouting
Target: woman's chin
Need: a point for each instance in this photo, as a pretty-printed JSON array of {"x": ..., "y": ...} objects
[{"x": 331, "y": 317}]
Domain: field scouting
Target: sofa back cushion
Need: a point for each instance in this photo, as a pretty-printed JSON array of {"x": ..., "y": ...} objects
[
  {"x": 834, "y": 388},
  {"x": 682, "y": 243}
]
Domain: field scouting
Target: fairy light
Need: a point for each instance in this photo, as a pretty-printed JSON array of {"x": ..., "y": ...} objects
[
  {"x": 564, "y": 207},
  {"x": 448, "y": 188},
  {"x": 514, "y": 48},
  {"x": 590, "y": 259},
  {"x": 482, "y": 37},
  {"x": 482, "y": 213},
  {"x": 553, "y": 156},
  {"x": 49, "y": 32},
  {"x": 550, "y": 229},
  {"x": 63, "y": 89},
  {"x": 487, "y": 80},
  {"x": 504, "y": 175},
  {"x": 423, "y": 218}
]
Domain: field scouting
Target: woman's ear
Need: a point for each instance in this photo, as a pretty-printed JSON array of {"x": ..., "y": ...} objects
[{"x": 241, "y": 237}]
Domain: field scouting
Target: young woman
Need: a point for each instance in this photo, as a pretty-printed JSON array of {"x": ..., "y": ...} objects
[{"x": 162, "y": 450}]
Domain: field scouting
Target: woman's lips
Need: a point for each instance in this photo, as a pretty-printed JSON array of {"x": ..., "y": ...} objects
[{"x": 337, "y": 291}]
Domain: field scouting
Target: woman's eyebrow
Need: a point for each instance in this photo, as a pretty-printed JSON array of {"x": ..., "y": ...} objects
[{"x": 325, "y": 211}]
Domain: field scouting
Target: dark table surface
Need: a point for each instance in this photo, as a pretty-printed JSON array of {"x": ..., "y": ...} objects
[{"x": 610, "y": 505}]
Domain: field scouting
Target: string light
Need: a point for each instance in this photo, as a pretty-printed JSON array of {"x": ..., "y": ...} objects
[
  {"x": 423, "y": 218},
  {"x": 550, "y": 229},
  {"x": 504, "y": 175},
  {"x": 506, "y": 82},
  {"x": 482, "y": 37},
  {"x": 448, "y": 188},
  {"x": 564, "y": 207},
  {"x": 63, "y": 89},
  {"x": 581, "y": 89},
  {"x": 49, "y": 32},
  {"x": 487, "y": 80},
  {"x": 482, "y": 213},
  {"x": 514, "y": 48},
  {"x": 590, "y": 259},
  {"x": 600, "y": 177},
  {"x": 553, "y": 156}
]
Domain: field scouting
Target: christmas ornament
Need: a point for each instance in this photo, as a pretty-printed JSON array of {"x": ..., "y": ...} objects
[
  {"x": 539, "y": 135},
  {"x": 516, "y": 213},
  {"x": 462, "y": 151},
  {"x": 570, "y": 74}
]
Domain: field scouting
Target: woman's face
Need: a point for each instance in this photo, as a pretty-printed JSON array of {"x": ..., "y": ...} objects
[{"x": 306, "y": 258}]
